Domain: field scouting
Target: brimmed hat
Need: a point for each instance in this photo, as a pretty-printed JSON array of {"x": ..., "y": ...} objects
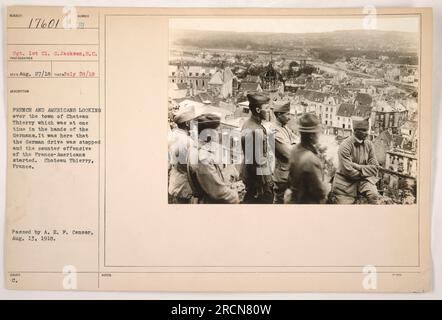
[
  {"x": 184, "y": 114},
  {"x": 309, "y": 123},
  {"x": 256, "y": 100},
  {"x": 208, "y": 121},
  {"x": 361, "y": 123}
]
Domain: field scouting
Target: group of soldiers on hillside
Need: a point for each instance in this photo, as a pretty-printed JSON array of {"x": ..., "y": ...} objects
[{"x": 198, "y": 175}]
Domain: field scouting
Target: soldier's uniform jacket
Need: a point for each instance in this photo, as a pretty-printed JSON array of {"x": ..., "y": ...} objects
[
  {"x": 209, "y": 182},
  {"x": 256, "y": 171},
  {"x": 285, "y": 140},
  {"x": 179, "y": 143},
  {"x": 357, "y": 162},
  {"x": 306, "y": 177}
]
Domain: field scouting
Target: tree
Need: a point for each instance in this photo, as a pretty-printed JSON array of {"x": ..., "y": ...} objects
[
  {"x": 293, "y": 64},
  {"x": 307, "y": 70}
]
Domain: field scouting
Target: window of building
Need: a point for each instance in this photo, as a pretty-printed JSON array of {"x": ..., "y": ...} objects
[
  {"x": 331, "y": 123},
  {"x": 173, "y": 73},
  {"x": 203, "y": 82},
  {"x": 339, "y": 118},
  {"x": 196, "y": 74},
  {"x": 173, "y": 80},
  {"x": 325, "y": 121},
  {"x": 343, "y": 126}
]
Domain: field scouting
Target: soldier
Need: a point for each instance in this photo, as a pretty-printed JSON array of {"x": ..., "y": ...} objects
[
  {"x": 358, "y": 167},
  {"x": 306, "y": 177},
  {"x": 256, "y": 170},
  {"x": 179, "y": 143},
  {"x": 208, "y": 179},
  {"x": 285, "y": 139}
]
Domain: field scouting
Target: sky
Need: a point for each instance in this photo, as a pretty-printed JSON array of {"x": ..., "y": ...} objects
[{"x": 298, "y": 25}]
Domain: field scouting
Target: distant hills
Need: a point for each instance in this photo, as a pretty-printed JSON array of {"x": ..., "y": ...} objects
[{"x": 373, "y": 40}]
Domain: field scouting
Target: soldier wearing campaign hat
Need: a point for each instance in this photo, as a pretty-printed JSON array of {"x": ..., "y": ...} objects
[
  {"x": 256, "y": 171},
  {"x": 358, "y": 167},
  {"x": 285, "y": 140},
  {"x": 306, "y": 177},
  {"x": 179, "y": 143}
]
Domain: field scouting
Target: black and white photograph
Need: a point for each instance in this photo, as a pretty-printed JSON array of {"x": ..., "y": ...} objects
[{"x": 293, "y": 110}]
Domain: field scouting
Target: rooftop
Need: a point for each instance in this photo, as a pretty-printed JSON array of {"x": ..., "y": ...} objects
[
  {"x": 311, "y": 95},
  {"x": 363, "y": 98},
  {"x": 250, "y": 86},
  {"x": 345, "y": 110}
]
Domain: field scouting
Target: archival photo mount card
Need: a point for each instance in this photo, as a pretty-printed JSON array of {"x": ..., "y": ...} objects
[{"x": 238, "y": 150}]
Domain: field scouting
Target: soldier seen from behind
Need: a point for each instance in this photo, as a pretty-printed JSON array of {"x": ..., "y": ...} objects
[{"x": 306, "y": 176}]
